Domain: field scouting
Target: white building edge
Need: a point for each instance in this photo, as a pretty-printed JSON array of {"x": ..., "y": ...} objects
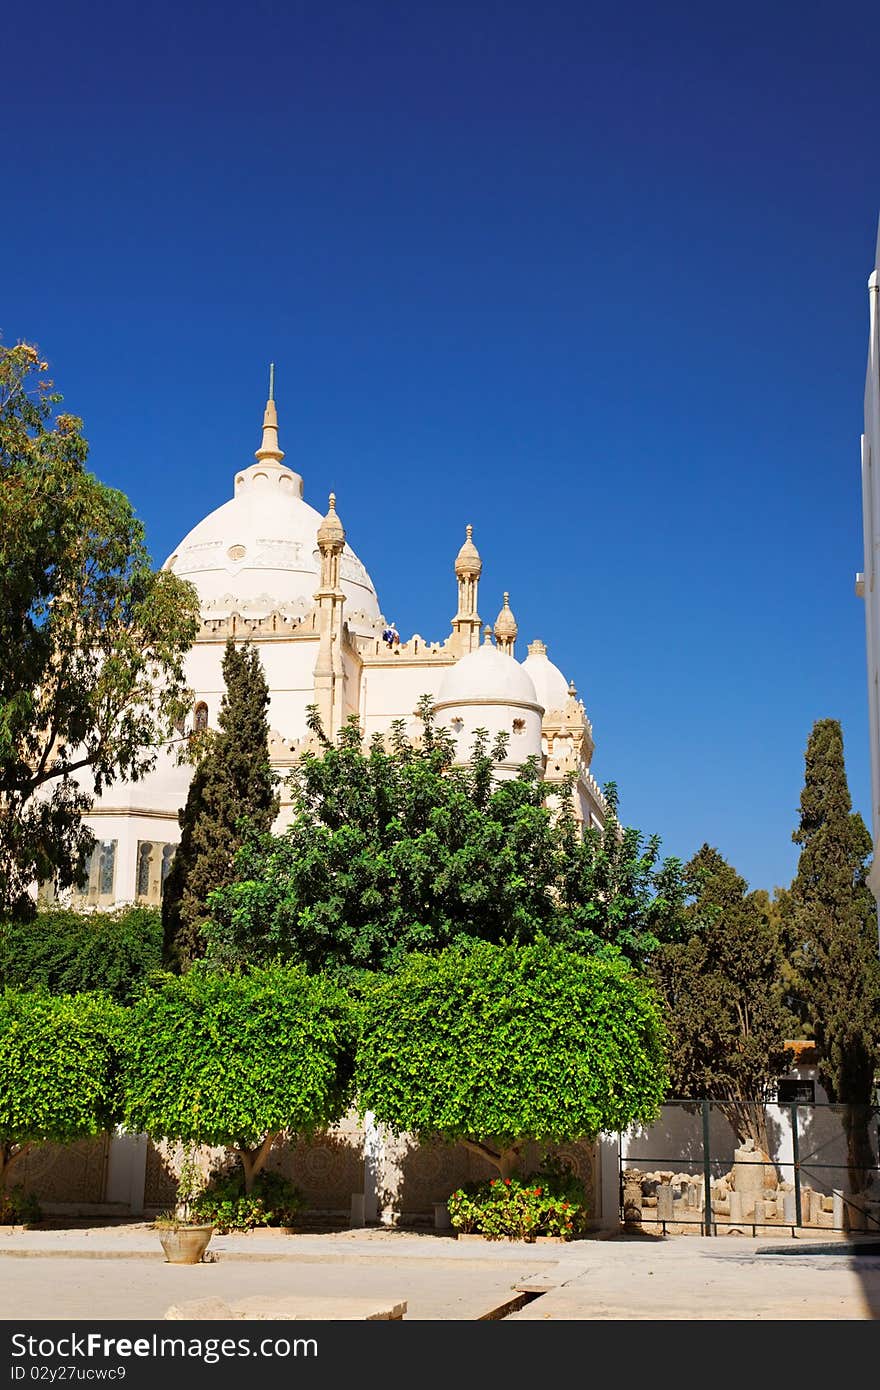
[
  {"x": 270, "y": 571},
  {"x": 868, "y": 580}
]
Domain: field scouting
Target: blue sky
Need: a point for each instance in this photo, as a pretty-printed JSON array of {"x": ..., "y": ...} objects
[{"x": 591, "y": 277}]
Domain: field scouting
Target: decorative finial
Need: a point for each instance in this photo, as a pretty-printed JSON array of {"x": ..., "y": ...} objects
[
  {"x": 487, "y": 636},
  {"x": 331, "y": 531},
  {"x": 467, "y": 561},
  {"x": 537, "y": 648},
  {"x": 506, "y": 629},
  {"x": 269, "y": 450},
  {"x": 572, "y": 690}
]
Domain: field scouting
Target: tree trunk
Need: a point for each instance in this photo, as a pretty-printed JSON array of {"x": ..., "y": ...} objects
[
  {"x": 9, "y": 1154},
  {"x": 859, "y": 1153},
  {"x": 253, "y": 1161},
  {"x": 508, "y": 1162},
  {"x": 505, "y": 1160}
]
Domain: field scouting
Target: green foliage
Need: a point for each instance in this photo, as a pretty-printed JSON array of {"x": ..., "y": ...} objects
[
  {"x": 551, "y": 1202},
  {"x": 19, "y": 1208},
  {"x": 493, "y": 1045},
  {"x": 68, "y": 952},
  {"x": 226, "y": 1205},
  {"x": 91, "y": 639},
  {"x": 615, "y": 893},
  {"x": 59, "y": 1068},
  {"x": 238, "y": 1059},
  {"x": 232, "y": 793},
  {"x": 394, "y": 849},
  {"x": 830, "y": 921},
  {"x": 723, "y": 989}
]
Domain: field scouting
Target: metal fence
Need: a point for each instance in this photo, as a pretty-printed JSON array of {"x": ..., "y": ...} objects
[{"x": 820, "y": 1170}]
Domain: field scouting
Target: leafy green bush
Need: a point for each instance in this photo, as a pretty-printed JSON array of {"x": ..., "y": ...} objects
[
  {"x": 495, "y": 1045},
  {"x": 67, "y": 952},
  {"x": 273, "y": 1201},
  {"x": 18, "y": 1208},
  {"x": 238, "y": 1059},
  {"x": 551, "y": 1202},
  {"x": 59, "y": 1069}
]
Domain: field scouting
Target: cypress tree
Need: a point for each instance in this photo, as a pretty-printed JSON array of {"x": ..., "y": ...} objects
[
  {"x": 232, "y": 793},
  {"x": 831, "y": 924}
]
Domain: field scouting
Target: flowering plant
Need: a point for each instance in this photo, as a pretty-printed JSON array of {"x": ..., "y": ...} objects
[{"x": 551, "y": 1202}]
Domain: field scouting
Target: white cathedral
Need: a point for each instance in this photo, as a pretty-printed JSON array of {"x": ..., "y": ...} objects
[{"x": 269, "y": 570}]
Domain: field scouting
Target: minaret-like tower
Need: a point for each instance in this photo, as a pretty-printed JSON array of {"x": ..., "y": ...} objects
[
  {"x": 329, "y": 666},
  {"x": 466, "y": 623},
  {"x": 868, "y": 580},
  {"x": 506, "y": 628}
]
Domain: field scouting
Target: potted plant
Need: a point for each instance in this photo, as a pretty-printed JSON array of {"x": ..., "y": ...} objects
[{"x": 183, "y": 1232}]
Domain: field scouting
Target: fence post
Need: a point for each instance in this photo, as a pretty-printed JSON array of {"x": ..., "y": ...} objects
[
  {"x": 796, "y": 1156},
  {"x": 707, "y": 1172}
]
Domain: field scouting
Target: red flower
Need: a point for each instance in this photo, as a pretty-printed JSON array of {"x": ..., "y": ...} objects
[{"x": 507, "y": 1182}]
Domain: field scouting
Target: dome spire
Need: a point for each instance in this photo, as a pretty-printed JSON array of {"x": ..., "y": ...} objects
[
  {"x": 506, "y": 628},
  {"x": 269, "y": 449}
]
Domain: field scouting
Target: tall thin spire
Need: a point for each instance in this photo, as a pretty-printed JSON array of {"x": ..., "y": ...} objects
[{"x": 269, "y": 448}]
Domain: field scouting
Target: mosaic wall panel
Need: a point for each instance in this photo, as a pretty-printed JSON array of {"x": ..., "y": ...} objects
[
  {"x": 64, "y": 1172},
  {"x": 413, "y": 1176},
  {"x": 327, "y": 1168}
]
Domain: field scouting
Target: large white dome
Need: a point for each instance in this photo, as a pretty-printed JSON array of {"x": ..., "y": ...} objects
[
  {"x": 549, "y": 682},
  {"x": 259, "y": 552},
  {"x": 486, "y": 676}
]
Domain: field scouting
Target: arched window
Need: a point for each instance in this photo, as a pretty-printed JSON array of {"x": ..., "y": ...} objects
[
  {"x": 145, "y": 850},
  {"x": 200, "y": 717},
  {"x": 167, "y": 856}
]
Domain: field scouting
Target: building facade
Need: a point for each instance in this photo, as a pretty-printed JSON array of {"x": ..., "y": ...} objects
[{"x": 270, "y": 570}]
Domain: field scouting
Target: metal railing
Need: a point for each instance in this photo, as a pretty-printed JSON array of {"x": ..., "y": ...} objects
[{"x": 821, "y": 1170}]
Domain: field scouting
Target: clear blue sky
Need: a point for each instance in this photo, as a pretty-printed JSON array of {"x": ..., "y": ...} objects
[{"x": 592, "y": 277}]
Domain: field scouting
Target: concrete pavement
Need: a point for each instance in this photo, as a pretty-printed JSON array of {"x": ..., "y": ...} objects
[{"x": 118, "y": 1272}]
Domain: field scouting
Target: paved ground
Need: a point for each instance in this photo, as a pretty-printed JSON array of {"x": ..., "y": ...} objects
[{"x": 119, "y": 1272}]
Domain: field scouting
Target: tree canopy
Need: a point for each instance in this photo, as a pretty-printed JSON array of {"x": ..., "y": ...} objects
[
  {"x": 232, "y": 793},
  {"x": 92, "y": 640},
  {"x": 238, "y": 1059},
  {"x": 724, "y": 994},
  {"x": 59, "y": 1063},
  {"x": 392, "y": 848},
  {"x": 496, "y": 1045},
  {"x": 67, "y": 952}
]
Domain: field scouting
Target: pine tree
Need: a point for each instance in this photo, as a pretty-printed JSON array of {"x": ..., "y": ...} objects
[
  {"x": 831, "y": 925},
  {"x": 232, "y": 793}
]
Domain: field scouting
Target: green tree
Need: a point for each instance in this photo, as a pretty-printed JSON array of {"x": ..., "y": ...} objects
[
  {"x": 497, "y": 1045},
  {"x": 830, "y": 919},
  {"x": 615, "y": 891},
  {"x": 392, "y": 849},
  {"x": 724, "y": 994},
  {"x": 238, "y": 1059},
  {"x": 92, "y": 641},
  {"x": 59, "y": 1063},
  {"x": 232, "y": 794},
  {"x": 67, "y": 952}
]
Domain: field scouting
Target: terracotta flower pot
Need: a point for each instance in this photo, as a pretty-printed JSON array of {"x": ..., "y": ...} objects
[{"x": 186, "y": 1245}]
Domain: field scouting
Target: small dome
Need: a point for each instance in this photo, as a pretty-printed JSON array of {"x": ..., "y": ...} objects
[
  {"x": 487, "y": 676},
  {"x": 505, "y": 623},
  {"x": 468, "y": 561},
  {"x": 331, "y": 530},
  {"x": 549, "y": 682}
]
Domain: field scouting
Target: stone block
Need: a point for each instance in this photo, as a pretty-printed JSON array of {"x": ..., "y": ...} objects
[{"x": 664, "y": 1203}]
